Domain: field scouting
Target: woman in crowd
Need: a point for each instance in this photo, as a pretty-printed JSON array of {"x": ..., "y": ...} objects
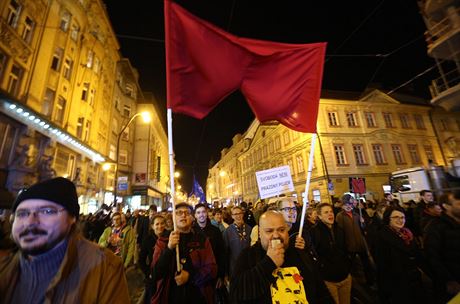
[
  {"x": 398, "y": 259},
  {"x": 157, "y": 229}
]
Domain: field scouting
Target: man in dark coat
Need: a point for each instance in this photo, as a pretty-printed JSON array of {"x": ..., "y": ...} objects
[
  {"x": 203, "y": 225},
  {"x": 426, "y": 197},
  {"x": 442, "y": 248},
  {"x": 271, "y": 271}
]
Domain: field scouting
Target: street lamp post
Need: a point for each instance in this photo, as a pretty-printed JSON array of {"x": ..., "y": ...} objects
[{"x": 146, "y": 118}]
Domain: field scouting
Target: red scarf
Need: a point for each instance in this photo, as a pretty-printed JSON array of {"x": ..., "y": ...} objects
[{"x": 405, "y": 234}]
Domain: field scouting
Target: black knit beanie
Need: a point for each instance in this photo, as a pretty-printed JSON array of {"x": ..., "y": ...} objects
[{"x": 58, "y": 190}]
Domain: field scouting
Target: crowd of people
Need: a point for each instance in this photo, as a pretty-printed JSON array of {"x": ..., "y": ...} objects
[{"x": 347, "y": 252}]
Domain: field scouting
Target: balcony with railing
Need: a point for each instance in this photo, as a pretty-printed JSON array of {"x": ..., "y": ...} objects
[
  {"x": 445, "y": 90},
  {"x": 443, "y": 36}
]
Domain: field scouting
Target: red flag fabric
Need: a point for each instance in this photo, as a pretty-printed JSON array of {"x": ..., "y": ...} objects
[{"x": 204, "y": 64}]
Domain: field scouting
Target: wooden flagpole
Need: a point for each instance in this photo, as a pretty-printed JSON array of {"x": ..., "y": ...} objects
[
  {"x": 171, "y": 179},
  {"x": 307, "y": 183}
]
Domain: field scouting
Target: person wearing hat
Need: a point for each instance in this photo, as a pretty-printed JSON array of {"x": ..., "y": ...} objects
[
  {"x": 54, "y": 263},
  {"x": 193, "y": 282}
]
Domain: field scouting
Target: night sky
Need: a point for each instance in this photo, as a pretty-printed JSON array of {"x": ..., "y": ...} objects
[{"x": 373, "y": 43}]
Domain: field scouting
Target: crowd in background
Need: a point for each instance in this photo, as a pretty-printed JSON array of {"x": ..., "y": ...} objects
[{"x": 351, "y": 251}]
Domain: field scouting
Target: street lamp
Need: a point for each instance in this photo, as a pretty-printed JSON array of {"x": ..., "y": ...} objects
[{"x": 146, "y": 119}]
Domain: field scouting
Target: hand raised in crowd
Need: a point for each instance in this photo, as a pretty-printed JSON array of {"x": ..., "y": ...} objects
[
  {"x": 299, "y": 242},
  {"x": 276, "y": 253},
  {"x": 173, "y": 239},
  {"x": 220, "y": 283},
  {"x": 182, "y": 277}
]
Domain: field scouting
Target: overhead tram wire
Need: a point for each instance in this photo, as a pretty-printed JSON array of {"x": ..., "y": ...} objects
[{"x": 359, "y": 26}]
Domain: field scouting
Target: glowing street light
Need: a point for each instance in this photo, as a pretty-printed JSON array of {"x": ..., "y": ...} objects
[{"x": 146, "y": 117}]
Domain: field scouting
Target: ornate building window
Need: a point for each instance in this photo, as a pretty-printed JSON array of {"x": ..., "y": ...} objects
[
  {"x": 360, "y": 158},
  {"x": 60, "y": 109},
  {"x": 14, "y": 9},
  {"x": 28, "y": 29},
  {"x": 378, "y": 154},
  {"x": 397, "y": 154},
  {"x": 277, "y": 143},
  {"x": 333, "y": 119},
  {"x": 57, "y": 57},
  {"x": 80, "y": 122},
  {"x": 67, "y": 69},
  {"x": 84, "y": 91},
  {"x": 14, "y": 79},
  {"x": 404, "y": 118},
  {"x": 300, "y": 167},
  {"x": 286, "y": 137},
  {"x": 414, "y": 155},
  {"x": 340, "y": 155},
  {"x": 74, "y": 31},
  {"x": 87, "y": 130},
  {"x": 419, "y": 122},
  {"x": 65, "y": 21},
  {"x": 388, "y": 118},
  {"x": 352, "y": 119},
  {"x": 370, "y": 119}
]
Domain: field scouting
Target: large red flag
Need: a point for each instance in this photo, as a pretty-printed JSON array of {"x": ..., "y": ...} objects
[{"x": 204, "y": 64}]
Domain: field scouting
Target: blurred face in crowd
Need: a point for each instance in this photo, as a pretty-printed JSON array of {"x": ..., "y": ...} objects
[
  {"x": 428, "y": 197},
  {"x": 183, "y": 219},
  {"x": 397, "y": 219},
  {"x": 453, "y": 208},
  {"x": 272, "y": 226},
  {"x": 159, "y": 225},
  {"x": 40, "y": 225},
  {"x": 238, "y": 216},
  {"x": 348, "y": 207},
  {"x": 289, "y": 211},
  {"x": 389, "y": 197},
  {"x": 210, "y": 216},
  {"x": 201, "y": 215},
  {"x": 313, "y": 217},
  {"x": 218, "y": 217},
  {"x": 116, "y": 221},
  {"x": 326, "y": 215}
]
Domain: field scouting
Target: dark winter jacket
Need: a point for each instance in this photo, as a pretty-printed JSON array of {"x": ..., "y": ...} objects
[
  {"x": 398, "y": 266},
  {"x": 217, "y": 243},
  {"x": 252, "y": 276},
  {"x": 442, "y": 248},
  {"x": 332, "y": 252},
  {"x": 196, "y": 258}
]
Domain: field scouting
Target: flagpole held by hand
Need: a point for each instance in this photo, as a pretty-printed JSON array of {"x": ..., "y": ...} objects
[
  {"x": 307, "y": 185},
  {"x": 171, "y": 179}
]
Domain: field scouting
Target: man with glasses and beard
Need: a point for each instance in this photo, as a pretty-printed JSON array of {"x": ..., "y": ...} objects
[
  {"x": 271, "y": 271},
  {"x": 54, "y": 264}
]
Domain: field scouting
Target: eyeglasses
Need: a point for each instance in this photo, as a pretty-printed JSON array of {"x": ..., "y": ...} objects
[
  {"x": 239, "y": 213},
  {"x": 398, "y": 217},
  {"x": 43, "y": 212},
  {"x": 182, "y": 212},
  {"x": 287, "y": 209}
]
